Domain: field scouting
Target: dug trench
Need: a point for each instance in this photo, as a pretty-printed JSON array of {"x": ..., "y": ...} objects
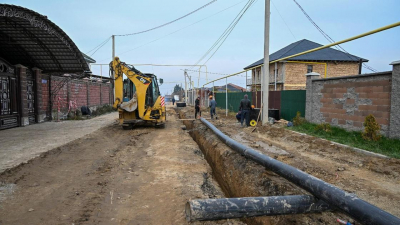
[{"x": 240, "y": 177}]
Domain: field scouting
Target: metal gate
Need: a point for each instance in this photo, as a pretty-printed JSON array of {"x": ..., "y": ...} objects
[
  {"x": 291, "y": 102},
  {"x": 8, "y": 97}
]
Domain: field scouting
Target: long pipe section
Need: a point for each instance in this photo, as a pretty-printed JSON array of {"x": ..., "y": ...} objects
[
  {"x": 228, "y": 208},
  {"x": 360, "y": 210}
]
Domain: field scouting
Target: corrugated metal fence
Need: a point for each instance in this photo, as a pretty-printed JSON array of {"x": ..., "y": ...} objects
[
  {"x": 287, "y": 102},
  {"x": 234, "y": 99}
]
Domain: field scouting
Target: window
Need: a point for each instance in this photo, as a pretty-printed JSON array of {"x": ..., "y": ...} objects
[{"x": 309, "y": 68}]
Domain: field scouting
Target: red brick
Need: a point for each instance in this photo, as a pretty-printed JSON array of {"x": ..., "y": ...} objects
[
  {"x": 373, "y": 95},
  {"x": 384, "y": 95},
  {"x": 329, "y": 95},
  {"x": 377, "y": 101},
  {"x": 382, "y": 121},
  {"x": 387, "y": 88},
  {"x": 357, "y": 124},
  {"x": 327, "y": 90},
  {"x": 339, "y": 95},
  {"x": 350, "y": 101},
  {"x": 363, "y": 95},
  {"x": 342, "y": 122},
  {"x": 368, "y": 107},
  {"x": 340, "y": 90},
  {"x": 326, "y": 100},
  {"x": 383, "y": 108},
  {"x": 377, "y": 89}
]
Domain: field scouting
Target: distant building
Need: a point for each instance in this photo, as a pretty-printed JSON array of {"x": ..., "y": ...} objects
[
  {"x": 231, "y": 88},
  {"x": 290, "y": 74}
]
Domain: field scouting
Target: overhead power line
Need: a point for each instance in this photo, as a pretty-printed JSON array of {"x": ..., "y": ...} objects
[
  {"x": 177, "y": 30},
  {"x": 284, "y": 21},
  {"x": 165, "y": 24},
  {"x": 327, "y": 37},
  {"x": 101, "y": 44},
  {"x": 218, "y": 43}
]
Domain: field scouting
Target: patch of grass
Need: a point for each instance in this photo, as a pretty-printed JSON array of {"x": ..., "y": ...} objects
[{"x": 384, "y": 146}]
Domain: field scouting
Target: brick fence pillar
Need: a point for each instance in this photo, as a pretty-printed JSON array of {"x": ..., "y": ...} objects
[
  {"x": 87, "y": 93},
  {"x": 40, "y": 113},
  {"x": 23, "y": 103},
  {"x": 394, "y": 121},
  {"x": 309, "y": 94}
]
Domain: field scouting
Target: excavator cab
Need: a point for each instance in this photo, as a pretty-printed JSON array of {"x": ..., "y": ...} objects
[{"x": 137, "y": 97}]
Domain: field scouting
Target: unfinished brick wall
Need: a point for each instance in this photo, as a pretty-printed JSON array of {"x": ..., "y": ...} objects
[{"x": 346, "y": 101}]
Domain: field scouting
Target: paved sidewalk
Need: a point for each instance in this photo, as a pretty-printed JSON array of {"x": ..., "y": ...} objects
[{"x": 18, "y": 145}]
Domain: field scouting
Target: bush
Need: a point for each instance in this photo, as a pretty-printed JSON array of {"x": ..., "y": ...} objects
[
  {"x": 323, "y": 127},
  {"x": 372, "y": 128},
  {"x": 298, "y": 120}
]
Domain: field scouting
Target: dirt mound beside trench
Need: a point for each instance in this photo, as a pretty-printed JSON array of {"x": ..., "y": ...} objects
[{"x": 240, "y": 177}]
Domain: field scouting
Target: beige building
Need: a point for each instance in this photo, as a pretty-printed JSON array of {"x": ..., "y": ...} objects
[{"x": 290, "y": 74}]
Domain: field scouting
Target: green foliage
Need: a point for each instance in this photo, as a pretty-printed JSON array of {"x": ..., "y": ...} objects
[
  {"x": 326, "y": 127},
  {"x": 385, "y": 146},
  {"x": 298, "y": 120},
  {"x": 372, "y": 128}
]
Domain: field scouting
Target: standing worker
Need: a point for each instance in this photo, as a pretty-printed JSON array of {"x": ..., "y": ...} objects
[
  {"x": 173, "y": 100},
  {"x": 212, "y": 106},
  {"x": 245, "y": 107},
  {"x": 197, "y": 107}
]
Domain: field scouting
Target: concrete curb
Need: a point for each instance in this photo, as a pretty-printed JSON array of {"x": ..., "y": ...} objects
[{"x": 362, "y": 151}]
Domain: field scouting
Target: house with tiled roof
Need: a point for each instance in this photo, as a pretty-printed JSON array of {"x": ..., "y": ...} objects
[{"x": 290, "y": 74}]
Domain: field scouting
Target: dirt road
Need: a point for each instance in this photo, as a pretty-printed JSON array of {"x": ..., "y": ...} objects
[{"x": 112, "y": 176}]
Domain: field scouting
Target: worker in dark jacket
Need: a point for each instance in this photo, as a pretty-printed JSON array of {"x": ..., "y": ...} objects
[
  {"x": 245, "y": 107},
  {"x": 212, "y": 106},
  {"x": 173, "y": 101},
  {"x": 197, "y": 107}
]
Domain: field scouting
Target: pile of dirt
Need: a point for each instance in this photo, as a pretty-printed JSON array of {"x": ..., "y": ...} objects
[{"x": 373, "y": 179}]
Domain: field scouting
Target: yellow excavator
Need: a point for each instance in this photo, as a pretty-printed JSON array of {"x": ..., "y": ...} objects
[{"x": 137, "y": 97}]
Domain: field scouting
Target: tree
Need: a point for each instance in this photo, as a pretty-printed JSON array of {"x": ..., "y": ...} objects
[{"x": 177, "y": 89}]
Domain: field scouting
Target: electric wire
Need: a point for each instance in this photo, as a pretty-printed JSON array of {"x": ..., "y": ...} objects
[
  {"x": 165, "y": 24},
  {"x": 177, "y": 30},
  {"x": 284, "y": 20},
  {"x": 99, "y": 45},
  {"x": 327, "y": 37},
  {"x": 222, "y": 35},
  {"x": 226, "y": 33},
  {"x": 229, "y": 32}
]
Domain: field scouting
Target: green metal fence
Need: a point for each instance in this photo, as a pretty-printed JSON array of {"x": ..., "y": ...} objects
[
  {"x": 291, "y": 102},
  {"x": 234, "y": 99}
]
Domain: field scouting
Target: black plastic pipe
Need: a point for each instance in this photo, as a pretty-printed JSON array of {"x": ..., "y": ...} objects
[
  {"x": 349, "y": 203},
  {"x": 228, "y": 208}
]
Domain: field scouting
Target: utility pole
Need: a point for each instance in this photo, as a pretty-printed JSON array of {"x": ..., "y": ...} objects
[
  {"x": 186, "y": 92},
  {"x": 265, "y": 80},
  {"x": 113, "y": 47},
  {"x": 113, "y": 75}
]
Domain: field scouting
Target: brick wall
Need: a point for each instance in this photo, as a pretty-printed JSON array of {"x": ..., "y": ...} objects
[
  {"x": 294, "y": 72},
  {"x": 45, "y": 95},
  {"x": 74, "y": 90},
  {"x": 346, "y": 101}
]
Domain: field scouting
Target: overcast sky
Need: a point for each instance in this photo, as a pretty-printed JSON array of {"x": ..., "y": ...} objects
[{"x": 88, "y": 23}]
